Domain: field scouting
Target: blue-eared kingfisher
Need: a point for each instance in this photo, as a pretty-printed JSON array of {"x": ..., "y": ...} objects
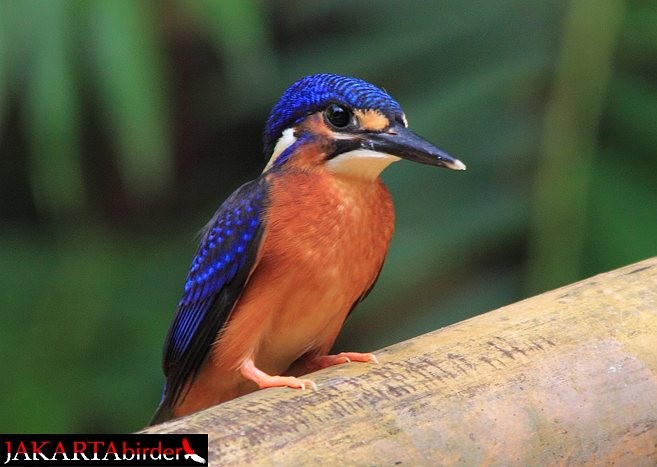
[{"x": 287, "y": 257}]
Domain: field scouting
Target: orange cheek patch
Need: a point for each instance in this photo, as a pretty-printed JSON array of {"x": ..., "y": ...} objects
[
  {"x": 372, "y": 120},
  {"x": 315, "y": 124},
  {"x": 313, "y": 153}
]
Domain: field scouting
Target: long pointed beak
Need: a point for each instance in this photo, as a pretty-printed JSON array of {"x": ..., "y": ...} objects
[{"x": 402, "y": 142}]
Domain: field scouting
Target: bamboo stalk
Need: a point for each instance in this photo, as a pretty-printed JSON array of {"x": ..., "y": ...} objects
[{"x": 566, "y": 377}]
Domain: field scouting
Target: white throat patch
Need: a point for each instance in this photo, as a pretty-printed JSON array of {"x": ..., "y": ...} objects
[
  {"x": 362, "y": 163},
  {"x": 285, "y": 141}
]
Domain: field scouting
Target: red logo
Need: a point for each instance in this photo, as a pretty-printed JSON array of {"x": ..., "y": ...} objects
[{"x": 190, "y": 454}]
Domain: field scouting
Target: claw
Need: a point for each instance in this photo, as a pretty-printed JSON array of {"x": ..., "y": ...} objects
[
  {"x": 263, "y": 380},
  {"x": 325, "y": 361}
]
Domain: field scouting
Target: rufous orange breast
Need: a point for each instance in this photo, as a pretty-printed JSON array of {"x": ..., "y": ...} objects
[{"x": 325, "y": 243}]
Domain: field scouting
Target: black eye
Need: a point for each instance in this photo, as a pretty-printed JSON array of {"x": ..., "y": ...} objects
[{"x": 337, "y": 116}]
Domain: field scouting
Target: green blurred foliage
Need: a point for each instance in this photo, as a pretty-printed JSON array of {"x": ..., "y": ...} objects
[{"x": 124, "y": 124}]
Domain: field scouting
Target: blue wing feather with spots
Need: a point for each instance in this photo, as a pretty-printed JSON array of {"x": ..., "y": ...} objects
[{"x": 226, "y": 256}]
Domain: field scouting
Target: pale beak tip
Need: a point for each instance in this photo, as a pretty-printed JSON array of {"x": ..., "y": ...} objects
[{"x": 457, "y": 165}]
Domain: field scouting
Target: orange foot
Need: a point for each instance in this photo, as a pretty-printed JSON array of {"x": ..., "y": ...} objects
[
  {"x": 325, "y": 361},
  {"x": 263, "y": 380}
]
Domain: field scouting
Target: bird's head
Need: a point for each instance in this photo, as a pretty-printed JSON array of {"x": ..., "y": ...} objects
[{"x": 346, "y": 124}]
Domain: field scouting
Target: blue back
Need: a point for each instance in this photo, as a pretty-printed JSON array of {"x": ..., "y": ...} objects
[{"x": 223, "y": 261}]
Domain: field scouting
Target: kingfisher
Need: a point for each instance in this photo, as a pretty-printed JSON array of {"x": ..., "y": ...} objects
[{"x": 289, "y": 255}]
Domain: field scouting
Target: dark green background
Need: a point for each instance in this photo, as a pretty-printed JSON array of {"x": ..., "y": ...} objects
[{"x": 124, "y": 124}]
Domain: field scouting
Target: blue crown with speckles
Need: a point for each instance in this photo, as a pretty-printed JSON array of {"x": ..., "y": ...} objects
[{"x": 315, "y": 92}]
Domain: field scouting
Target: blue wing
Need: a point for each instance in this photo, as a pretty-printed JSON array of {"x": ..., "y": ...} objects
[{"x": 226, "y": 256}]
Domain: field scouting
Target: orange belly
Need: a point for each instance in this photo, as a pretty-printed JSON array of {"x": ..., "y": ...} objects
[{"x": 324, "y": 244}]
